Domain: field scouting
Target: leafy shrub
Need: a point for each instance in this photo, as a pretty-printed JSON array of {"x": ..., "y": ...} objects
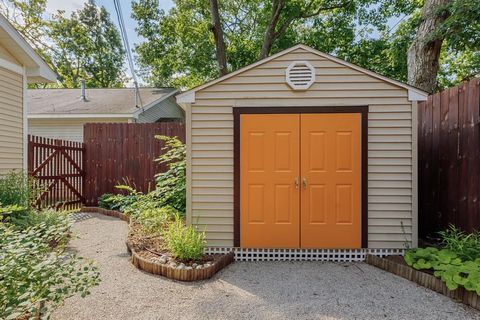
[
  {"x": 34, "y": 279},
  {"x": 154, "y": 220},
  {"x": 184, "y": 242},
  {"x": 17, "y": 189},
  {"x": 467, "y": 246},
  {"x": 49, "y": 217},
  {"x": 448, "y": 266},
  {"x": 120, "y": 202},
  {"x": 171, "y": 185}
]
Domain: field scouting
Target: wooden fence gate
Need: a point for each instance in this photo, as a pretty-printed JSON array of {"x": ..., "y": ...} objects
[
  {"x": 58, "y": 167},
  {"x": 449, "y": 159}
]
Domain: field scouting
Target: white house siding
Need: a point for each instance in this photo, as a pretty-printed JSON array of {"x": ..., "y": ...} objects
[
  {"x": 390, "y": 204},
  {"x": 65, "y": 129},
  {"x": 11, "y": 121},
  {"x": 168, "y": 109}
]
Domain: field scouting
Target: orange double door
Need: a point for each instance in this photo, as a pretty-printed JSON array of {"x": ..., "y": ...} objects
[{"x": 300, "y": 180}]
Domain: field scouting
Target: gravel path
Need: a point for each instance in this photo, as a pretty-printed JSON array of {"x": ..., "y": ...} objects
[{"x": 263, "y": 290}]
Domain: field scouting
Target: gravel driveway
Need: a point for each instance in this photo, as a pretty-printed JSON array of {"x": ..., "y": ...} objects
[{"x": 262, "y": 290}]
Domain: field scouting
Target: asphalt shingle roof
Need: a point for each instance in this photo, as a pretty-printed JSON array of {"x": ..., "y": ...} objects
[{"x": 99, "y": 101}]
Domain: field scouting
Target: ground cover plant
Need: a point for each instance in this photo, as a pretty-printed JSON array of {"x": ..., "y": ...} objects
[
  {"x": 158, "y": 225},
  {"x": 457, "y": 263},
  {"x": 36, "y": 271}
]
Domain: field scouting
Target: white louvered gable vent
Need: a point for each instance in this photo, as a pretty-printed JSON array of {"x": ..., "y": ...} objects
[{"x": 300, "y": 75}]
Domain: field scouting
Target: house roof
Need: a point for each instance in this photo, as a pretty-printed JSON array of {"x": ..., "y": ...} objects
[
  {"x": 104, "y": 102},
  {"x": 413, "y": 93},
  {"x": 36, "y": 68}
]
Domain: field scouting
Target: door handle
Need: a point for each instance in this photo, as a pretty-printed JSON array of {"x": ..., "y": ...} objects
[
  {"x": 297, "y": 182},
  {"x": 305, "y": 183}
]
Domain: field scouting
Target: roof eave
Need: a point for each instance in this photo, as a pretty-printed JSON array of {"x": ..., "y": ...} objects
[
  {"x": 154, "y": 103},
  {"x": 414, "y": 94},
  {"x": 36, "y": 68}
]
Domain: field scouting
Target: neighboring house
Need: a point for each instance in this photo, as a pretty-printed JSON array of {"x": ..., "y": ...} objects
[
  {"x": 19, "y": 65},
  {"x": 303, "y": 150},
  {"x": 62, "y": 113}
]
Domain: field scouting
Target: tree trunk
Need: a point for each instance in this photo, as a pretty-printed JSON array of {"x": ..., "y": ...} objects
[
  {"x": 270, "y": 33},
  {"x": 219, "y": 41},
  {"x": 424, "y": 53}
]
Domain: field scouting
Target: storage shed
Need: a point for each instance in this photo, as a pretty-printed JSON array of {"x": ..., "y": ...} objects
[{"x": 303, "y": 150}]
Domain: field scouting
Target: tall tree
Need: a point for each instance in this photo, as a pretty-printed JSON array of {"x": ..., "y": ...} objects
[
  {"x": 217, "y": 29},
  {"x": 424, "y": 53},
  {"x": 283, "y": 13},
  {"x": 179, "y": 48},
  {"x": 88, "y": 45}
]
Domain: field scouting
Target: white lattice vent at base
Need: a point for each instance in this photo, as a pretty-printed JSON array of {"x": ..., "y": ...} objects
[{"x": 333, "y": 255}]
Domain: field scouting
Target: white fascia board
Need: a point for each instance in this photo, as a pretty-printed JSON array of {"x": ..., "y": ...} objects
[
  {"x": 79, "y": 116},
  {"x": 41, "y": 74}
]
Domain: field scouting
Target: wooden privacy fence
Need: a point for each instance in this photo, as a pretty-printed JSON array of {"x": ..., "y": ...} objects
[
  {"x": 449, "y": 159},
  {"x": 57, "y": 166},
  {"x": 124, "y": 152}
]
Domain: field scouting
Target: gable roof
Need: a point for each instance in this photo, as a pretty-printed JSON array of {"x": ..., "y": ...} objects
[
  {"x": 413, "y": 93},
  {"x": 116, "y": 102},
  {"x": 37, "y": 70}
]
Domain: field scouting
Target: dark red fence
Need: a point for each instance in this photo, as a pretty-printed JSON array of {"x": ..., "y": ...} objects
[
  {"x": 58, "y": 167},
  {"x": 124, "y": 153},
  {"x": 449, "y": 159}
]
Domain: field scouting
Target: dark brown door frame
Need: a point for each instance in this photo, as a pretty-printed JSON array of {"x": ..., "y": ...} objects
[{"x": 237, "y": 111}]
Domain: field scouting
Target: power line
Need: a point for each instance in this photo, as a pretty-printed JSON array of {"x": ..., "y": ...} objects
[{"x": 123, "y": 33}]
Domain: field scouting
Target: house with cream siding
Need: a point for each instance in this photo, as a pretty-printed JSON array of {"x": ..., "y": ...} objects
[
  {"x": 303, "y": 151},
  {"x": 19, "y": 65},
  {"x": 62, "y": 113}
]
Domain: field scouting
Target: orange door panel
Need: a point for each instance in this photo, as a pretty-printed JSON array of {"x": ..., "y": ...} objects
[
  {"x": 269, "y": 168},
  {"x": 331, "y": 180}
]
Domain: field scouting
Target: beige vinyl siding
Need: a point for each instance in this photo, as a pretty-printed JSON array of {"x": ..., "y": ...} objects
[
  {"x": 65, "y": 129},
  {"x": 11, "y": 121},
  {"x": 390, "y": 174}
]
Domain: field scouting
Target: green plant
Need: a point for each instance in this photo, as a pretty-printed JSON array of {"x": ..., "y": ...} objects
[
  {"x": 171, "y": 185},
  {"x": 154, "y": 220},
  {"x": 17, "y": 189},
  {"x": 105, "y": 201},
  {"x": 49, "y": 217},
  {"x": 184, "y": 242},
  {"x": 467, "y": 246},
  {"x": 34, "y": 277},
  {"x": 121, "y": 202},
  {"x": 448, "y": 266}
]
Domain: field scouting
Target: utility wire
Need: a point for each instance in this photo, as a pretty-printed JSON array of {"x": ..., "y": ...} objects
[{"x": 123, "y": 33}]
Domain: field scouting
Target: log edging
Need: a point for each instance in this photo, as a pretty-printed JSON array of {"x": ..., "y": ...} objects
[
  {"x": 469, "y": 298},
  {"x": 180, "y": 274},
  {"x": 164, "y": 269},
  {"x": 110, "y": 213}
]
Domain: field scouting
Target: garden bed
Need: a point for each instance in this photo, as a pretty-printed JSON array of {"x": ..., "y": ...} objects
[
  {"x": 397, "y": 265},
  {"x": 149, "y": 255}
]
